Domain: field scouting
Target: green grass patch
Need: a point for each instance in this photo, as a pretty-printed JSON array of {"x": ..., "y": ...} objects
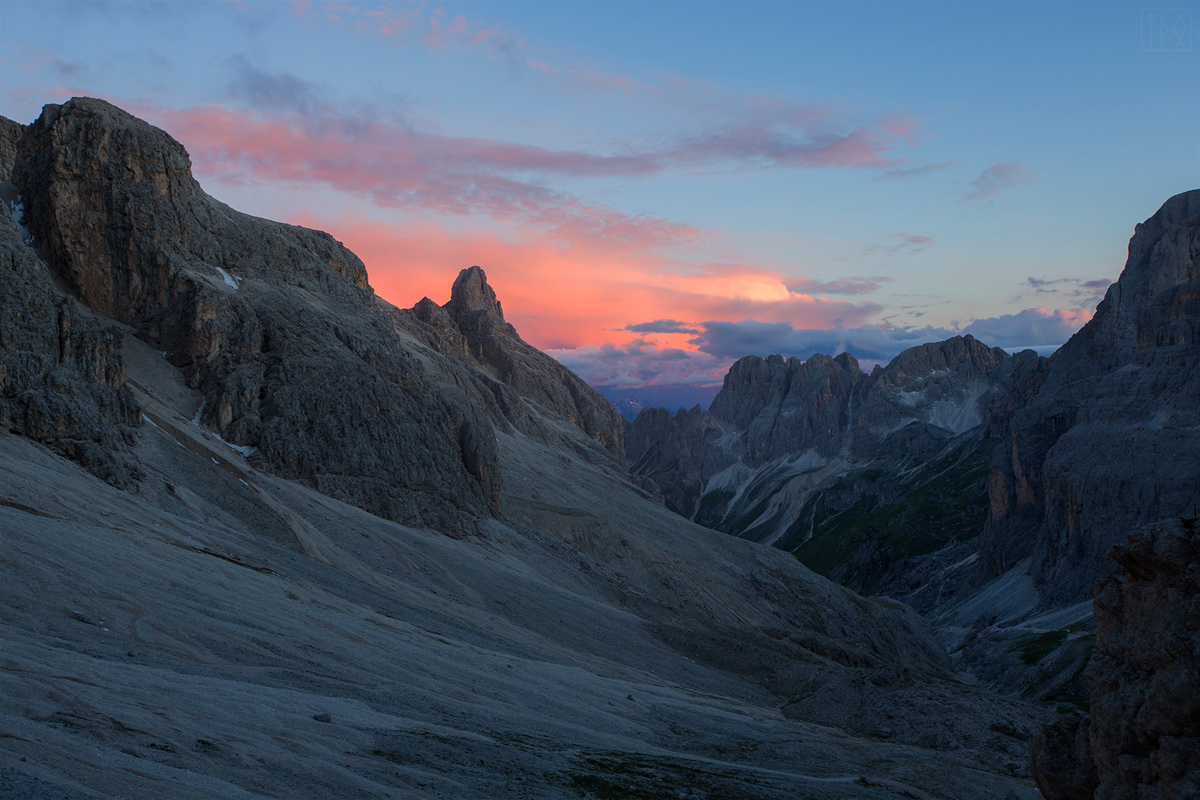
[{"x": 1042, "y": 645}]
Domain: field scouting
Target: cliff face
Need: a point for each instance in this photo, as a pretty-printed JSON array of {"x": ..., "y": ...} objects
[
  {"x": 275, "y": 325},
  {"x": 1109, "y": 440},
  {"x": 62, "y": 373},
  {"x": 859, "y": 475},
  {"x": 1142, "y": 741},
  {"x": 1145, "y": 674},
  {"x": 279, "y": 330}
]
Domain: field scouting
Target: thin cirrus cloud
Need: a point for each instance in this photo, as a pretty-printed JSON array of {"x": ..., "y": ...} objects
[
  {"x": 852, "y": 285},
  {"x": 905, "y": 173},
  {"x": 998, "y": 177},
  {"x": 403, "y": 169},
  {"x": 661, "y": 326},
  {"x": 290, "y": 134},
  {"x": 901, "y": 244}
]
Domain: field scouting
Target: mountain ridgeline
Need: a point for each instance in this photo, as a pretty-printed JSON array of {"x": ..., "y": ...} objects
[
  {"x": 266, "y": 534},
  {"x": 956, "y": 457},
  {"x": 858, "y": 474}
]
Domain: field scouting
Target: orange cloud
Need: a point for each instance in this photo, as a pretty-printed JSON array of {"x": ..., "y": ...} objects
[{"x": 585, "y": 294}]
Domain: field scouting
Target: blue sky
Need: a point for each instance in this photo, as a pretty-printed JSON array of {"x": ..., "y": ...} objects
[{"x": 658, "y": 188}]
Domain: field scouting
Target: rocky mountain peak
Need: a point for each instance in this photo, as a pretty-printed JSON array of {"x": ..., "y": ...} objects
[
  {"x": 471, "y": 294},
  {"x": 1108, "y": 442}
]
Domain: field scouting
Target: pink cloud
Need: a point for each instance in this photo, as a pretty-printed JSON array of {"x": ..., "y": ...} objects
[
  {"x": 998, "y": 177},
  {"x": 585, "y": 294},
  {"x": 401, "y": 168}
]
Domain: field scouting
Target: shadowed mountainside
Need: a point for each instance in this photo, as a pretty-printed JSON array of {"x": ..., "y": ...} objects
[{"x": 356, "y": 550}]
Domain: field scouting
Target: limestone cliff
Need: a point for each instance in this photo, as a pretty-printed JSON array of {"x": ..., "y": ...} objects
[
  {"x": 1142, "y": 741},
  {"x": 859, "y": 475},
  {"x": 1110, "y": 439},
  {"x": 62, "y": 373},
  {"x": 274, "y": 324}
]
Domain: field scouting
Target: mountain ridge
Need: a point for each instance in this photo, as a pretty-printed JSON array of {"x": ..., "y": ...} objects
[{"x": 363, "y": 549}]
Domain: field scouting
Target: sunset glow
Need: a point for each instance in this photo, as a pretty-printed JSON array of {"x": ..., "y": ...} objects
[{"x": 655, "y": 190}]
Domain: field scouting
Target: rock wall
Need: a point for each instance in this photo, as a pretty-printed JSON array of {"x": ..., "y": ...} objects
[
  {"x": 276, "y": 325},
  {"x": 1144, "y": 676},
  {"x": 10, "y": 132},
  {"x": 1142, "y": 741},
  {"x": 1109, "y": 441},
  {"x": 62, "y": 374}
]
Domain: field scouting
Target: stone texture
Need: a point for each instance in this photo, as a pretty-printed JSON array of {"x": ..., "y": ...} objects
[
  {"x": 10, "y": 132},
  {"x": 276, "y": 325},
  {"x": 62, "y": 374},
  {"x": 1109, "y": 441},
  {"x": 1144, "y": 676},
  {"x": 1061, "y": 760}
]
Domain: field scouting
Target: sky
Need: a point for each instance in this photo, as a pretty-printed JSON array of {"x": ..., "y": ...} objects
[{"x": 658, "y": 189}]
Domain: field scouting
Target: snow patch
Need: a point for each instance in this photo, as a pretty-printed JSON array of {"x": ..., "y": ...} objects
[
  {"x": 245, "y": 450},
  {"x": 199, "y": 412},
  {"x": 17, "y": 207},
  {"x": 230, "y": 280}
]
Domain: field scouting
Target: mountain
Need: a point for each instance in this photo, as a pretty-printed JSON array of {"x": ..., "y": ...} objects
[
  {"x": 823, "y": 460},
  {"x": 1144, "y": 729},
  {"x": 982, "y": 489},
  {"x": 1110, "y": 440},
  {"x": 265, "y": 534}
]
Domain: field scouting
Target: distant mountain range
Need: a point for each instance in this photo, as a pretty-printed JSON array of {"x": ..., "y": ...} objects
[{"x": 631, "y": 402}]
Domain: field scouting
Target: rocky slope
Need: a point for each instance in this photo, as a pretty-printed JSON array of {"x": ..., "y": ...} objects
[
  {"x": 356, "y": 550},
  {"x": 980, "y": 488},
  {"x": 278, "y": 329},
  {"x": 838, "y": 466},
  {"x": 1142, "y": 741}
]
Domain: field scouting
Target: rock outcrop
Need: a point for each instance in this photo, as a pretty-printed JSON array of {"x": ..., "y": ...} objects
[
  {"x": 499, "y": 350},
  {"x": 1061, "y": 760},
  {"x": 10, "y": 132},
  {"x": 279, "y": 330},
  {"x": 854, "y": 473},
  {"x": 62, "y": 374},
  {"x": 1144, "y": 676},
  {"x": 1109, "y": 441},
  {"x": 274, "y": 324},
  {"x": 1142, "y": 741}
]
